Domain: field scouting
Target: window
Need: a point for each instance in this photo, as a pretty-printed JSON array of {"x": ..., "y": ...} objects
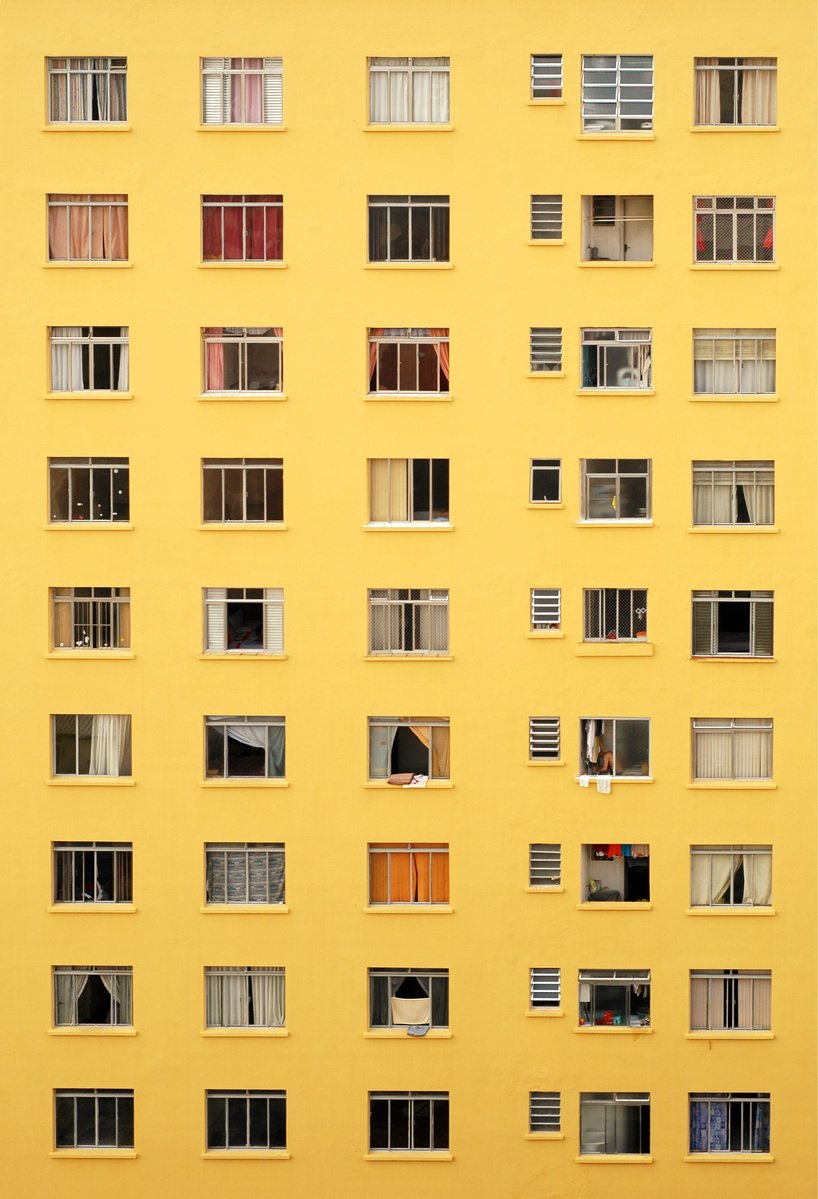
[
  {"x": 616, "y": 358},
  {"x": 617, "y": 228},
  {"x": 89, "y": 357},
  {"x": 246, "y": 1120},
  {"x": 546, "y": 76},
  {"x": 416, "y": 873},
  {"x": 87, "y": 228},
  {"x": 93, "y": 872},
  {"x": 546, "y": 218},
  {"x": 732, "y": 624},
  {"x": 545, "y": 987},
  {"x": 408, "y": 361},
  {"x": 617, "y": 93},
  {"x": 733, "y": 493},
  {"x": 408, "y": 228},
  {"x": 241, "y": 91},
  {"x": 242, "y": 228},
  {"x": 413, "y": 745},
  {"x": 249, "y": 873},
  {"x": 546, "y": 481},
  {"x": 409, "y": 91},
  {"x": 544, "y": 738},
  {"x": 91, "y": 617},
  {"x": 616, "y": 489},
  {"x": 88, "y": 489},
  {"x": 544, "y": 1111},
  {"x": 409, "y": 620},
  {"x": 544, "y": 865},
  {"x": 545, "y": 608},
  {"x": 546, "y": 351},
  {"x": 403, "y": 998},
  {"x": 244, "y": 996},
  {"x": 244, "y": 620},
  {"x": 735, "y": 228},
  {"x": 93, "y": 995},
  {"x": 730, "y": 1122},
  {"x": 87, "y": 91},
  {"x": 405, "y": 491},
  {"x": 731, "y": 876},
  {"x": 617, "y": 747},
  {"x": 239, "y": 747},
  {"x": 614, "y": 614},
  {"x": 413, "y": 1120},
  {"x": 736, "y": 91},
  {"x": 725, "y": 748},
  {"x": 734, "y": 361},
  {"x": 614, "y": 1122},
  {"x": 614, "y": 998},
  {"x": 91, "y": 745},
  {"x": 242, "y": 359},
  {"x": 93, "y": 1119},
  {"x": 615, "y": 873},
  {"x": 730, "y": 1000},
  {"x": 242, "y": 490}
]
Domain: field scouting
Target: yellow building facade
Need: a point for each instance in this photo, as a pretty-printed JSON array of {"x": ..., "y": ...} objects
[{"x": 513, "y": 503}]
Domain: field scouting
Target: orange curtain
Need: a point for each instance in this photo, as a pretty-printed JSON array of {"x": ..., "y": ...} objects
[
  {"x": 442, "y": 349},
  {"x": 378, "y": 877}
]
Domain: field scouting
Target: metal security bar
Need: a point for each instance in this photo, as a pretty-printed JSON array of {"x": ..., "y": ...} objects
[
  {"x": 546, "y": 350},
  {"x": 612, "y": 614},
  {"x": 544, "y": 738},
  {"x": 546, "y": 76},
  {"x": 543, "y": 1111},
  {"x": 544, "y": 865},
  {"x": 545, "y": 608},
  {"x": 546, "y": 218},
  {"x": 545, "y": 986},
  {"x": 617, "y": 92},
  {"x": 730, "y": 1122},
  {"x": 734, "y": 228},
  {"x": 91, "y": 617}
]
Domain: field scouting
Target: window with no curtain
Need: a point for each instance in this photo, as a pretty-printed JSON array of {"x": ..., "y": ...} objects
[
  {"x": 545, "y": 347},
  {"x": 404, "y": 747},
  {"x": 88, "y": 489},
  {"x": 615, "y": 873},
  {"x": 407, "y": 491},
  {"x": 734, "y": 361},
  {"x": 242, "y": 490},
  {"x": 241, "y": 91},
  {"x": 408, "y": 361},
  {"x": 408, "y": 91},
  {"x": 544, "y": 865},
  {"x": 546, "y": 218},
  {"x": 401, "y": 998},
  {"x": 239, "y": 747},
  {"x": 544, "y": 990},
  {"x": 732, "y": 624},
  {"x": 614, "y": 614},
  {"x": 409, "y": 872},
  {"x": 246, "y": 873},
  {"x": 409, "y": 621},
  {"x": 93, "y": 1118},
  {"x": 246, "y": 1119},
  {"x": 242, "y": 228},
  {"x": 546, "y": 76},
  {"x": 733, "y": 493},
  {"x": 96, "y": 996},
  {"x": 93, "y": 872},
  {"x": 244, "y": 996},
  {"x": 736, "y": 91},
  {"x": 617, "y": 228},
  {"x": 730, "y": 1000},
  {"x": 731, "y": 876},
  {"x": 732, "y": 748},
  {"x": 616, "y": 358},
  {"x": 614, "y": 1122},
  {"x": 84, "y": 227},
  {"x": 408, "y": 228},
  {"x": 614, "y": 998},
  {"x": 91, "y": 745},
  {"x": 546, "y": 481},
  {"x": 619, "y": 747},
  {"x": 617, "y": 93},
  {"x": 87, "y": 91},
  {"x": 544, "y": 1111},
  {"x": 735, "y": 228},
  {"x": 545, "y": 608},
  {"x": 244, "y": 620},
  {"x": 616, "y": 489},
  {"x": 242, "y": 360},
  {"x": 89, "y": 357},
  {"x": 408, "y": 1120},
  {"x": 728, "y": 1122},
  {"x": 91, "y": 618},
  {"x": 544, "y": 738}
]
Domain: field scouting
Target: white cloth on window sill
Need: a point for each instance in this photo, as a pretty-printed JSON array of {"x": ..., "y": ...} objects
[
  {"x": 603, "y": 784},
  {"x": 420, "y": 780},
  {"x": 584, "y": 780}
]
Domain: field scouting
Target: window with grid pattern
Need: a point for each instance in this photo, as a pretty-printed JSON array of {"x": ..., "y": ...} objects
[
  {"x": 246, "y": 1119},
  {"x": 244, "y": 873},
  {"x": 93, "y": 872},
  {"x": 93, "y": 1118},
  {"x": 244, "y": 620},
  {"x": 732, "y": 624},
  {"x": 408, "y": 228},
  {"x": 91, "y": 618},
  {"x": 727, "y": 1122},
  {"x": 408, "y": 91},
  {"x": 736, "y": 91},
  {"x": 85, "y": 227},
  {"x": 731, "y": 876},
  {"x": 734, "y": 228},
  {"x": 614, "y": 614},
  {"x": 242, "y": 490},
  {"x": 88, "y": 489},
  {"x": 617, "y": 93},
  {"x": 546, "y": 76},
  {"x": 92, "y": 358},
  {"x": 732, "y": 748},
  {"x": 734, "y": 361},
  {"x": 409, "y": 620},
  {"x": 99, "y": 996}
]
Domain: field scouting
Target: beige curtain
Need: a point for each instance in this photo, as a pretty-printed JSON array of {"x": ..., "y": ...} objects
[
  {"x": 753, "y": 751},
  {"x": 762, "y": 995},
  {"x": 440, "y": 747},
  {"x": 708, "y": 108},
  {"x": 710, "y": 875},
  {"x": 712, "y": 754},
  {"x": 758, "y": 879},
  {"x": 758, "y": 96}
]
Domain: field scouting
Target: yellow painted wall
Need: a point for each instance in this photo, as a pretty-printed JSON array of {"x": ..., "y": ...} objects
[{"x": 501, "y": 150}]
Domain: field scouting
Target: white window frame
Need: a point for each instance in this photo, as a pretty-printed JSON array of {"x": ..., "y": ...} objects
[
  {"x": 99, "y": 617},
  {"x": 220, "y": 727},
  {"x": 636, "y": 344},
  {"x": 83, "y": 81},
  {"x": 743, "y": 211},
  {"x": 243, "y": 338},
  {"x": 546, "y": 76},
  {"x": 81, "y": 885},
  {"x": 435, "y": 983},
  {"x": 246, "y": 852},
  {"x": 740, "y": 68},
  {"x": 607, "y": 610},
  {"x": 612, "y": 212},
  {"x": 76, "y": 349},
  {"x": 730, "y": 1001},
  {"x": 616, "y": 474},
  {"x": 220, "y": 981},
  {"x": 408, "y": 212},
  {"x": 117, "y": 980},
  {"x": 616, "y": 732},
  {"x": 626, "y": 981},
  {"x": 105, "y": 735},
  {"x": 545, "y": 350},
  {"x": 94, "y": 208},
  {"x": 544, "y": 866},
  {"x": 224, "y": 83},
  {"x": 544, "y": 739},
  {"x": 544, "y": 471},
  {"x": 413, "y": 343},
  {"x": 706, "y": 607},
  {"x": 736, "y": 730},
  {"x": 544, "y": 1113},
  {"x": 544, "y": 988},
  {"x": 546, "y": 608},
  {"x": 742, "y": 480},
  {"x": 217, "y": 602},
  {"x": 744, "y": 351},
  {"x": 427, "y": 849},
  {"x": 624, "y": 111},
  {"x": 101, "y": 481},
  {"x": 408, "y": 622},
  {"x": 412, "y": 1098},
  {"x": 721, "y": 889},
  {"x": 383, "y": 726},
  {"x": 435, "y": 75},
  {"x": 546, "y": 218},
  {"x": 611, "y": 1131},
  {"x": 123, "y": 1124},
  {"x": 738, "y": 1107},
  {"x": 246, "y": 1098},
  {"x": 393, "y": 484},
  {"x": 273, "y": 497}
]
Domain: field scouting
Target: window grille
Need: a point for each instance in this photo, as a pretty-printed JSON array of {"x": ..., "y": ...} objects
[
  {"x": 93, "y": 1119},
  {"x": 88, "y": 489},
  {"x": 736, "y": 91},
  {"x": 242, "y": 490},
  {"x": 730, "y": 1000},
  {"x": 617, "y": 93},
  {"x": 546, "y": 218},
  {"x": 408, "y": 490},
  {"x": 546, "y": 76},
  {"x": 546, "y": 481},
  {"x": 246, "y": 1119},
  {"x": 89, "y": 357},
  {"x": 734, "y": 361},
  {"x": 87, "y": 90},
  {"x": 408, "y": 620},
  {"x": 734, "y": 228},
  {"x": 544, "y": 1111},
  {"x": 242, "y": 91},
  {"x": 732, "y": 624},
  {"x": 738, "y": 748},
  {"x": 544, "y": 738},
  {"x": 246, "y": 874},
  {"x": 544, "y": 865},
  {"x": 545, "y": 987},
  {"x": 612, "y": 614},
  {"x": 91, "y": 618},
  {"x": 546, "y": 350},
  {"x": 87, "y": 228},
  {"x": 730, "y": 1122},
  {"x": 93, "y": 872},
  {"x": 545, "y": 608},
  {"x": 409, "y": 91},
  {"x": 408, "y": 228},
  {"x": 244, "y": 620}
]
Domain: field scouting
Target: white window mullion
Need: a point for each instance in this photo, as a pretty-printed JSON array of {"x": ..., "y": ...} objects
[
  {"x": 274, "y": 620},
  {"x": 216, "y": 619}
]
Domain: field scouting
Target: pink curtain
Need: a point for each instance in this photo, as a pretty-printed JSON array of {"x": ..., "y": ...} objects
[
  {"x": 373, "y": 354},
  {"x": 274, "y": 244},
  {"x": 211, "y": 234},
  {"x": 252, "y": 91},
  {"x": 233, "y": 245},
  {"x": 214, "y": 361},
  {"x": 77, "y": 231},
  {"x": 442, "y": 349}
]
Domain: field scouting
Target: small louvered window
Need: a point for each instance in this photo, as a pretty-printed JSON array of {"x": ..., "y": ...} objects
[
  {"x": 544, "y": 738},
  {"x": 546, "y": 218},
  {"x": 545, "y": 608},
  {"x": 546, "y": 76},
  {"x": 545, "y": 986},
  {"x": 544, "y": 865},
  {"x": 544, "y": 1111},
  {"x": 546, "y": 350}
]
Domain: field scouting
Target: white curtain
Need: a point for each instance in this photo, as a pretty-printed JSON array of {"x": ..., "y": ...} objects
[
  {"x": 124, "y": 360},
  {"x": 758, "y": 97},
  {"x": 385, "y": 627},
  {"x": 68, "y": 988},
  {"x": 268, "y": 999},
  {"x": 66, "y": 359},
  {"x": 110, "y": 745},
  {"x": 710, "y": 876},
  {"x": 713, "y": 757},
  {"x": 227, "y": 997},
  {"x": 760, "y": 501},
  {"x": 118, "y": 987},
  {"x": 440, "y": 98},
  {"x": 708, "y": 107},
  {"x": 753, "y": 750},
  {"x": 433, "y": 627},
  {"x": 758, "y": 879}
]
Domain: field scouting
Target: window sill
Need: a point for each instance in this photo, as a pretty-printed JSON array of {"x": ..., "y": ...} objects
[
  {"x": 243, "y": 909},
  {"x": 732, "y": 785},
  {"x": 546, "y": 241},
  {"x": 245, "y": 783},
  {"x": 729, "y": 1035},
  {"x": 547, "y": 102},
  {"x": 432, "y": 785},
  {"x": 614, "y": 905},
  {"x": 614, "y": 649},
  {"x": 95, "y": 654},
  {"x": 74, "y": 1154},
  {"x": 216, "y": 526},
  {"x": 389, "y": 127},
  {"x": 545, "y": 374},
  {"x": 733, "y": 529},
  {"x": 614, "y": 1159},
  {"x": 616, "y": 1030},
  {"x": 408, "y": 909},
  {"x": 615, "y": 778},
  {"x": 276, "y": 265},
  {"x": 400, "y": 1034},
  {"x": 404, "y": 397},
  {"x": 545, "y": 890},
  {"x": 717, "y": 398},
  {"x": 392, "y": 1156},
  {"x": 767, "y": 659},
  {"x": 614, "y": 523},
  {"x": 88, "y": 395},
  {"x": 232, "y": 654},
  {"x": 104, "y": 909},
  {"x": 425, "y": 526},
  {"x": 254, "y": 397},
  {"x": 69, "y": 526},
  {"x": 239, "y": 127},
  {"x": 413, "y": 265},
  {"x": 545, "y": 1136},
  {"x": 88, "y": 780},
  {"x": 84, "y": 264},
  {"x": 545, "y": 635},
  {"x": 244, "y": 1032},
  {"x": 408, "y": 657},
  {"x": 545, "y": 504},
  {"x": 734, "y": 266},
  {"x": 87, "y": 127},
  {"x": 734, "y": 129},
  {"x": 246, "y": 1155},
  {"x": 724, "y": 910},
  {"x": 617, "y": 264},
  {"x": 545, "y": 1014},
  {"x": 611, "y": 393},
  {"x": 91, "y": 1031},
  {"x": 549, "y": 762},
  {"x": 617, "y": 135},
  {"x": 735, "y": 1159}
]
